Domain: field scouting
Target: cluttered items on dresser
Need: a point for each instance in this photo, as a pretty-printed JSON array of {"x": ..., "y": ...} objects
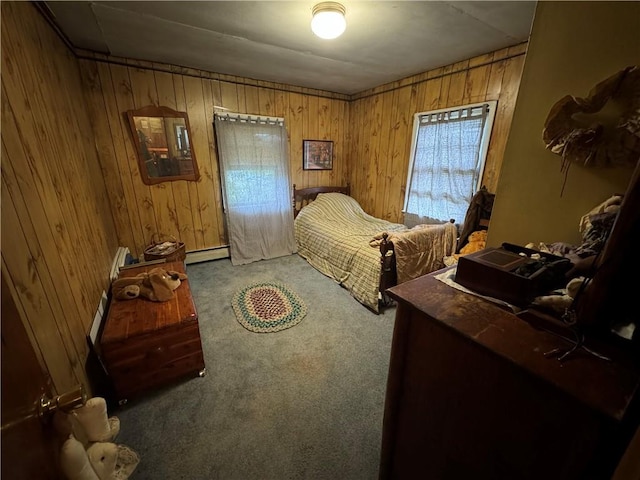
[
  {"x": 594, "y": 298},
  {"x": 512, "y": 273},
  {"x": 532, "y": 275}
]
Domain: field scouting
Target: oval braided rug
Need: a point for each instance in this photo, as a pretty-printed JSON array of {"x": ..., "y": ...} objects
[{"x": 268, "y": 307}]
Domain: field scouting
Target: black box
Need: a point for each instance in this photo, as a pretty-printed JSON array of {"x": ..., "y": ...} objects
[{"x": 510, "y": 273}]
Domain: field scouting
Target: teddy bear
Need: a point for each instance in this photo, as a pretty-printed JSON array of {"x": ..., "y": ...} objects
[
  {"x": 476, "y": 242},
  {"x": 156, "y": 285},
  {"x": 88, "y": 452},
  {"x": 561, "y": 300}
]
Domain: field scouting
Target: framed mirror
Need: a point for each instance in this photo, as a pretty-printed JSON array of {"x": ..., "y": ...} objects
[{"x": 163, "y": 144}]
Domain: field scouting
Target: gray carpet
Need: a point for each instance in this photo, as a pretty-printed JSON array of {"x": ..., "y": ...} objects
[{"x": 302, "y": 403}]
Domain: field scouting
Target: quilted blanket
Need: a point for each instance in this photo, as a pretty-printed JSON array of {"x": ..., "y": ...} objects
[
  {"x": 422, "y": 249},
  {"x": 337, "y": 237}
]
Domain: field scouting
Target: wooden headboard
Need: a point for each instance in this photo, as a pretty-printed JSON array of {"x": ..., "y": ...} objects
[{"x": 304, "y": 196}]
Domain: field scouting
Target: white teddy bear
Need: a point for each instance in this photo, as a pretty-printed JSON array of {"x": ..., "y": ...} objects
[
  {"x": 89, "y": 452},
  {"x": 565, "y": 297}
]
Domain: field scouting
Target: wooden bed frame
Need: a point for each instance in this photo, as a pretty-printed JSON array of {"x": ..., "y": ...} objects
[
  {"x": 305, "y": 196},
  {"x": 389, "y": 276}
]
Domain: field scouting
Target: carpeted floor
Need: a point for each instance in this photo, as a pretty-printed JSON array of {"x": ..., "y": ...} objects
[{"x": 303, "y": 403}]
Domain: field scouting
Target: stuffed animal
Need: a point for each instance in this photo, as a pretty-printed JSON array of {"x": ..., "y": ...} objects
[
  {"x": 156, "y": 285},
  {"x": 88, "y": 452},
  {"x": 562, "y": 299},
  {"x": 477, "y": 241}
]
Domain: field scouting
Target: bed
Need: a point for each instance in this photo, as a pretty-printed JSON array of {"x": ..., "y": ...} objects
[{"x": 364, "y": 254}]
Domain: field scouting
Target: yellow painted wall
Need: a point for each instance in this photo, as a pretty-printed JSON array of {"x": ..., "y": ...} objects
[{"x": 573, "y": 46}]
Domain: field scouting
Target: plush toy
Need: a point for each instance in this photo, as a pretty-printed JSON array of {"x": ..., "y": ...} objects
[
  {"x": 88, "y": 452},
  {"x": 156, "y": 285},
  {"x": 562, "y": 299},
  {"x": 477, "y": 241}
]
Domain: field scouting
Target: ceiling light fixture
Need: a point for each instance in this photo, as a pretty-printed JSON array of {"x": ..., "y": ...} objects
[{"x": 328, "y": 20}]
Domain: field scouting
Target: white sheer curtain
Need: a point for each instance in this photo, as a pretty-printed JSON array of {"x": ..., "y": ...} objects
[
  {"x": 448, "y": 157},
  {"x": 256, "y": 187}
]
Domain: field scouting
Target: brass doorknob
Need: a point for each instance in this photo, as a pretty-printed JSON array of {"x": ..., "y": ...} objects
[{"x": 65, "y": 402}]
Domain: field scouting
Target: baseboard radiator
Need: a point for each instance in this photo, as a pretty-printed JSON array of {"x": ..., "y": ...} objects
[
  {"x": 204, "y": 255},
  {"x": 194, "y": 256}
]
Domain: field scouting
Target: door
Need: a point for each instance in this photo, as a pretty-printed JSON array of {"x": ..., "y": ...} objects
[{"x": 29, "y": 448}]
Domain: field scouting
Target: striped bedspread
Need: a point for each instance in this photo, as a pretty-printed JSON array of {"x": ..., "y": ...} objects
[{"x": 334, "y": 234}]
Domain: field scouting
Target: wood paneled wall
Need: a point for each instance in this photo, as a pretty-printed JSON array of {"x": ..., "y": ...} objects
[
  {"x": 58, "y": 235},
  {"x": 382, "y": 123},
  {"x": 71, "y": 189},
  {"x": 192, "y": 211},
  {"x": 371, "y": 134}
]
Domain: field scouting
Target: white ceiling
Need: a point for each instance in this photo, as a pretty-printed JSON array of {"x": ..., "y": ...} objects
[{"x": 267, "y": 40}]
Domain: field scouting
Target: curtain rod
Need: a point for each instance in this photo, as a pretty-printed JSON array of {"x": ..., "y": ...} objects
[{"x": 248, "y": 118}]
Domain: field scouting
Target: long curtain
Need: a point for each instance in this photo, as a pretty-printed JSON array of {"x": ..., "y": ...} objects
[
  {"x": 256, "y": 187},
  {"x": 446, "y": 165}
]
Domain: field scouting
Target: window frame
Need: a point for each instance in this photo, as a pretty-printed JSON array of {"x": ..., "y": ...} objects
[{"x": 483, "y": 151}]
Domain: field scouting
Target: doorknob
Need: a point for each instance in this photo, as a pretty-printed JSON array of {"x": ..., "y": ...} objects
[{"x": 65, "y": 402}]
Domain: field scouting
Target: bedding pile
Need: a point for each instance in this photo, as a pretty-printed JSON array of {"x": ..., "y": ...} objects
[
  {"x": 422, "y": 249},
  {"x": 334, "y": 234}
]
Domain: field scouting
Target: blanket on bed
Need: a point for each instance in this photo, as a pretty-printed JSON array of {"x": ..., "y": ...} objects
[
  {"x": 333, "y": 234},
  {"x": 421, "y": 250}
]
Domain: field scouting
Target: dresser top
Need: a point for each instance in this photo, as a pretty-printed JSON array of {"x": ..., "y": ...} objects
[
  {"x": 607, "y": 386},
  {"x": 139, "y": 316}
]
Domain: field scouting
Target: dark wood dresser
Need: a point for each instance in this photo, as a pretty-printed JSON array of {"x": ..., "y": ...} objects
[
  {"x": 471, "y": 395},
  {"x": 147, "y": 344}
]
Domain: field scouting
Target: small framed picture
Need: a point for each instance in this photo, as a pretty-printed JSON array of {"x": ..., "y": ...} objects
[{"x": 317, "y": 155}]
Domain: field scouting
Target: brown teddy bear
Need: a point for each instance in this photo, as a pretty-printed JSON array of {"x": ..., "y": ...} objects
[
  {"x": 477, "y": 241},
  {"x": 156, "y": 285}
]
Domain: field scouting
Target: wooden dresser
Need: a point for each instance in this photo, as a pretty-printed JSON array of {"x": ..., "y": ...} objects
[
  {"x": 147, "y": 344},
  {"x": 471, "y": 395}
]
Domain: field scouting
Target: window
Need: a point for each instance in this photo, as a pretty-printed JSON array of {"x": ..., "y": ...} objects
[
  {"x": 256, "y": 186},
  {"x": 447, "y": 160},
  {"x": 243, "y": 181}
]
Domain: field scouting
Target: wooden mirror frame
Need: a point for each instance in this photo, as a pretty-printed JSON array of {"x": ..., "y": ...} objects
[{"x": 161, "y": 112}]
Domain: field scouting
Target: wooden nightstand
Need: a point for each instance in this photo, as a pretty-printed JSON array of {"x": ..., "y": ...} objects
[{"x": 148, "y": 344}]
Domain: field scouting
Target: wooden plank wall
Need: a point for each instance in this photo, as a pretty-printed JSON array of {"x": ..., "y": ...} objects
[
  {"x": 71, "y": 190},
  {"x": 58, "y": 235},
  {"x": 192, "y": 211},
  {"x": 382, "y": 123}
]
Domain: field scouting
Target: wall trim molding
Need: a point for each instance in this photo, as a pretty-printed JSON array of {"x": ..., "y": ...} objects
[
  {"x": 521, "y": 49},
  {"x": 515, "y": 50}
]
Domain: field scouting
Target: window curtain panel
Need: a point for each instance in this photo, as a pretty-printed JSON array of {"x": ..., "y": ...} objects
[
  {"x": 256, "y": 187},
  {"x": 446, "y": 165}
]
